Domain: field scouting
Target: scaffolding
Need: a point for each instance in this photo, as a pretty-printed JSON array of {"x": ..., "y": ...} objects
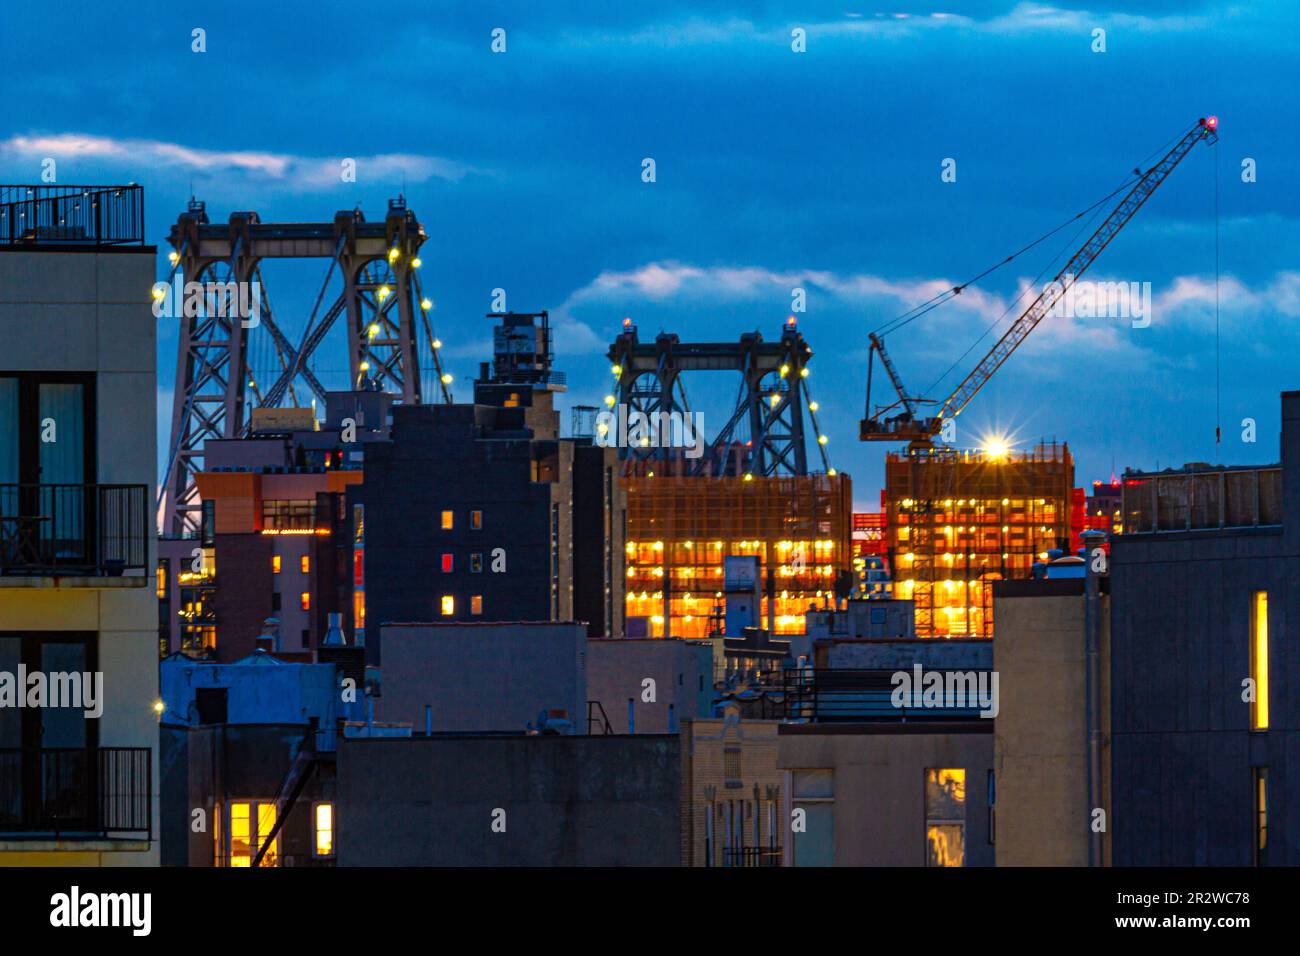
[
  {"x": 959, "y": 520},
  {"x": 681, "y": 528}
]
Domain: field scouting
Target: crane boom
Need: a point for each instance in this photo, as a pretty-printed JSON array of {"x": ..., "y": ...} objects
[{"x": 922, "y": 431}]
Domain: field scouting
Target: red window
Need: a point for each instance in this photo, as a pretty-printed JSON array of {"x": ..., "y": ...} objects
[{"x": 447, "y": 563}]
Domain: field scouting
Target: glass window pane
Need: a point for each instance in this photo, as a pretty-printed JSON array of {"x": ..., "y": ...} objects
[
  {"x": 64, "y": 664},
  {"x": 945, "y": 795},
  {"x": 816, "y": 845},
  {"x": 813, "y": 783},
  {"x": 946, "y": 844},
  {"x": 8, "y": 431}
]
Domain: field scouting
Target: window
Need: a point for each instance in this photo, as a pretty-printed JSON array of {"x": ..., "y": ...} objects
[
  {"x": 164, "y": 569},
  {"x": 476, "y": 563},
  {"x": 945, "y": 817},
  {"x": 323, "y": 826},
  {"x": 305, "y": 564},
  {"x": 306, "y": 637},
  {"x": 1259, "y": 659},
  {"x": 476, "y": 604},
  {"x": 448, "y": 605},
  {"x": 304, "y": 600},
  {"x": 275, "y": 564},
  {"x": 448, "y": 521},
  {"x": 288, "y": 515},
  {"x": 448, "y": 563},
  {"x": 993, "y": 799},
  {"x": 1261, "y": 816},
  {"x": 275, "y": 600},
  {"x": 812, "y": 795},
  {"x": 250, "y": 824},
  {"x": 476, "y": 520}
]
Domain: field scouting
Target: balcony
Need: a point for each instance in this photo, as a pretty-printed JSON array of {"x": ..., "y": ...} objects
[
  {"x": 76, "y": 793},
  {"x": 88, "y": 535}
]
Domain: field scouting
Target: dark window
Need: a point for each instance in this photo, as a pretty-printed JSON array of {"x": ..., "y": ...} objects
[
  {"x": 306, "y": 637},
  {"x": 212, "y": 704},
  {"x": 275, "y": 601},
  {"x": 476, "y": 563}
]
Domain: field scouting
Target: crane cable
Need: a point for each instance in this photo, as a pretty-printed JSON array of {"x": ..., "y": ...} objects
[{"x": 934, "y": 302}]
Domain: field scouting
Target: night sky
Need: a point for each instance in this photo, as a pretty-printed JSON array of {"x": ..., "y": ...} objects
[{"x": 775, "y": 169}]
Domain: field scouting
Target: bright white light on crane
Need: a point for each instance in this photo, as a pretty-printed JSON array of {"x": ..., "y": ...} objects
[
  {"x": 447, "y": 378},
  {"x": 813, "y": 406},
  {"x": 173, "y": 257},
  {"x": 609, "y": 400},
  {"x": 616, "y": 369},
  {"x": 426, "y": 304},
  {"x": 393, "y": 254},
  {"x": 822, "y": 439}
]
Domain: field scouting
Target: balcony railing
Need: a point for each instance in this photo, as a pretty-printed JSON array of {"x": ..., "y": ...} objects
[
  {"x": 54, "y": 530},
  {"x": 842, "y": 694},
  {"x": 76, "y": 791},
  {"x": 751, "y": 856},
  {"x": 71, "y": 215}
]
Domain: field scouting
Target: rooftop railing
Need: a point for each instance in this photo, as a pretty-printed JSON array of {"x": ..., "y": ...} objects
[{"x": 71, "y": 215}]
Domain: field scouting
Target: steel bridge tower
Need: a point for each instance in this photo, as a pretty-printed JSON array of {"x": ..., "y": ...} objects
[
  {"x": 770, "y": 405},
  {"x": 373, "y": 274}
]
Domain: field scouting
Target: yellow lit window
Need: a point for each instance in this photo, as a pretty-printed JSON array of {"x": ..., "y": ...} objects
[
  {"x": 265, "y": 824},
  {"x": 162, "y": 579},
  {"x": 476, "y": 604},
  {"x": 305, "y": 600},
  {"x": 448, "y": 605},
  {"x": 324, "y": 826},
  {"x": 359, "y": 608},
  {"x": 945, "y": 817},
  {"x": 305, "y": 564},
  {"x": 241, "y": 836},
  {"x": 275, "y": 564},
  {"x": 447, "y": 521},
  {"x": 1259, "y": 659}
]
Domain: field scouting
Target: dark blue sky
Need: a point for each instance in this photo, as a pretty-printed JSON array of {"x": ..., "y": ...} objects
[{"x": 775, "y": 170}]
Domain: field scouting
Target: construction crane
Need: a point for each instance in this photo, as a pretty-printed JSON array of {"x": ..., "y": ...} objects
[{"x": 920, "y": 431}]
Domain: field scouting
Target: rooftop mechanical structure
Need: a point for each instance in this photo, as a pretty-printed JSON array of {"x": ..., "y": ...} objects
[{"x": 371, "y": 283}]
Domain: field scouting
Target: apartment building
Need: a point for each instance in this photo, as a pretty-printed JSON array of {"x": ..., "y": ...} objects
[{"x": 78, "y": 627}]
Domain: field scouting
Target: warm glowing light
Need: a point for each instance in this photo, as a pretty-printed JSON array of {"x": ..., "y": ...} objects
[
  {"x": 426, "y": 304},
  {"x": 996, "y": 448},
  {"x": 749, "y": 476},
  {"x": 609, "y": 400},
  {"x": 1259, "y": 660},
  {"x": 447, "y": 378},
  {"x": 785, "y": 370},
  {"x": 365, "y": 366},
  {"x": 831, "y": 472},
  {"x": 822, "y": 439},
  {"x": 616, "y": 369},
  {"x": 803, "y": 373},
  {"x": 173, "y": 257},
  {"x": 437, "y": 343},
  {"x": 159, "y": 707},
  {"x": 416, "y": 263},
  {"x": 813, "y": 406},
  {"x": 373, "y": 330},
  {"x": 393, "y": 254},
  {"x": 384, "y": 292}
]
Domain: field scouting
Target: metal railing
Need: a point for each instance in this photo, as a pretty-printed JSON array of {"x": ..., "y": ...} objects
[
  {"x": 73, "y": 529},
  {"x": 76, "y": 790},
  {"x": 751, "y": 856},
  {"x": 72, "y": 215},
  {"x": 842, "y": 694}
]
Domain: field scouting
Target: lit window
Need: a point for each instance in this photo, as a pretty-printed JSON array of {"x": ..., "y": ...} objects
[
  {"x": 447, "y": 521},
  {"x": 945, "y": 817},
  {"x": 305, "y": 564},
  {"x": 1259, "y": 660},
  {"x": 324, "y": 825},
  {"x": 248, "y": 832},
  {"x": 448, "y": 605},
  {"x": 305, "y": 600},
  {"x": 476, "y": 520},
  {"x": 476, "y": 563},
  {"x": 163, "y": 570},
  {"x": 275, "y": 564},
  {"x": 476, "y": 604},
  {"x": 448, "y": 563}
]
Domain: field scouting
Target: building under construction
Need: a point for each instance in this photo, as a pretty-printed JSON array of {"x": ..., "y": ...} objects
[
  {"x": 959, "y": 520},
  {"x": 746, "y": 491},
  {"x": 680, "y": 530}
]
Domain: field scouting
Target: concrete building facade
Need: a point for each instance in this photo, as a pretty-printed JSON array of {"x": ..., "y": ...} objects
[{"x": 77, "y": 468}]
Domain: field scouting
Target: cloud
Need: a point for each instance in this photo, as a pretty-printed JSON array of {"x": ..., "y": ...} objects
[{"x": 308, "y": 172}]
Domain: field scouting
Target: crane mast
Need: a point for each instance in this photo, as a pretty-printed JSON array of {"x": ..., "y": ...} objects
[{"x": 907, "y": 427}]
